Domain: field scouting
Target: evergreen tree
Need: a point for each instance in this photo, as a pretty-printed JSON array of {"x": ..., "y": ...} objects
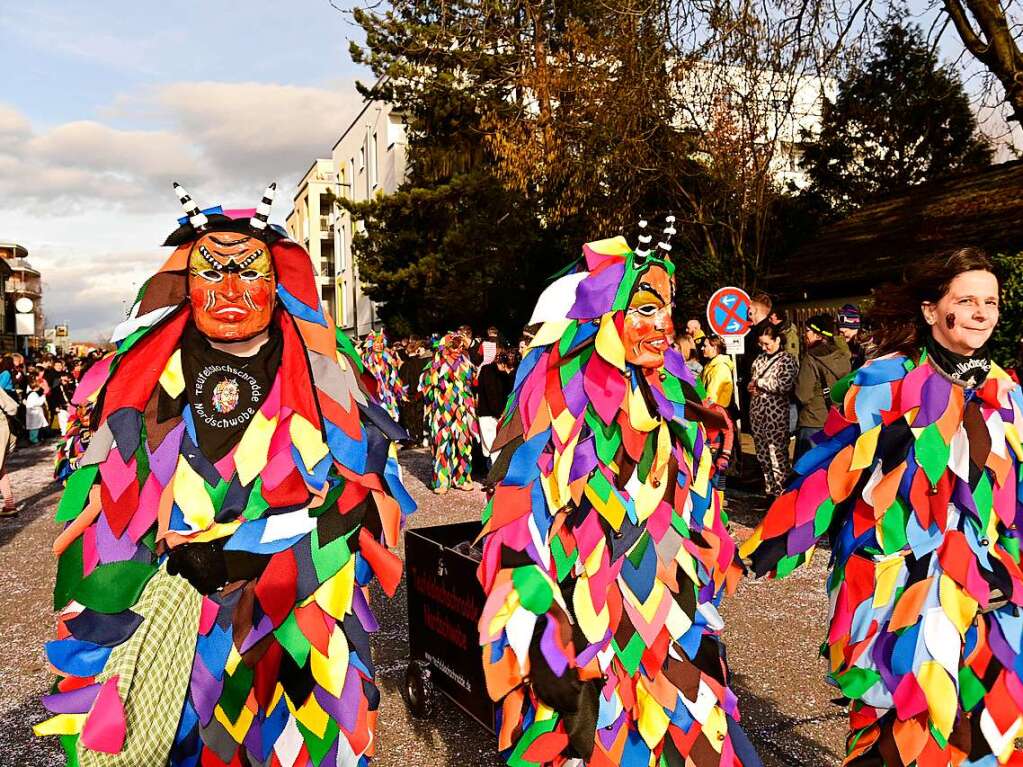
[{"x": 901, "y": 119}]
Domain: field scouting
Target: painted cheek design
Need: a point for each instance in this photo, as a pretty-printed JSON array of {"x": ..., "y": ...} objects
[{"x": 950, "y": 320}]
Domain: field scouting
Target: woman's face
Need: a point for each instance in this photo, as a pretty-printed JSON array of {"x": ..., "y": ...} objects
[
  {"x": 769, "y": 345},
  {"x": 965, "y": 317},
  {"x": 709, "y": 350}
]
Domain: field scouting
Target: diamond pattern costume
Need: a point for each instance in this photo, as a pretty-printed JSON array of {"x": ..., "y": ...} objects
[
  {"x": 274, "y": 667},
  {"x": 916, "y": 485},
  {"x": 383, "y": 364},
  {"x": 606, "y": 550},
  {"x": 450, "y": 412}
]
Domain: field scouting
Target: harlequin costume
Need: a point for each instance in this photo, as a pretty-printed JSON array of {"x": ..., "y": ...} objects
[
  {"x": 225, "y": 521},
  {"x": 606, "y": 551},
  {"x": 75, "y": 441},
  {"x": 450, "y": 413},
  {"x": 915, "y": 483},
  {"x": 383, "y": 364}
]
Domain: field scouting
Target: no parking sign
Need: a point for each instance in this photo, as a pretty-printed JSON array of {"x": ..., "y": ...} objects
[{"x": 728, "y": 315}]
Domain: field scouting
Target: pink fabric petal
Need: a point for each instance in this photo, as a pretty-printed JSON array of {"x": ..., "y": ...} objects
[{"x": 105, "y": 727}]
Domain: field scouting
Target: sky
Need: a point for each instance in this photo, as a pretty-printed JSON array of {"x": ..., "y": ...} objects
[{"x": 104, "y": 105}]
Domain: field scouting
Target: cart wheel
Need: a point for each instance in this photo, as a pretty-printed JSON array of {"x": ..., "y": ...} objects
[{"x": 418, "y": 691}]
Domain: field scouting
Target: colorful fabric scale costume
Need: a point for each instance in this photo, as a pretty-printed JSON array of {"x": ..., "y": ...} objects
[
  {"x": 225, "y": 522},
  {"x": 450, "y": 412},
  {"x": 73, "y": 443},
  {"x": 916, "y": 484},
  {"x": 382, "y": 363},
  {"x": 606, "y": 550}
]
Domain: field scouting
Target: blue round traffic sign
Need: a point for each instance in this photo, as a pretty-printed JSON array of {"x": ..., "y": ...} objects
[{"x": 728, "y": 312}]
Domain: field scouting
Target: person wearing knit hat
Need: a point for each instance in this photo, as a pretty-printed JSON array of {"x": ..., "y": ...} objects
[
  {"x": 822, "y": 365},
  {"x": 848, "y": 337}
]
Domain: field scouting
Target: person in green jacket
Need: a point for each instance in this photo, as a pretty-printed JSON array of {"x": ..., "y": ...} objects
[{"x": 821, "y": 366}]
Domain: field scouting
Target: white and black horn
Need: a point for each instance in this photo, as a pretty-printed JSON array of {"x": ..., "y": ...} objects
[
  {"x": 258, "y": 221},
  {"x": 195, "y": 216},
  {"x": 645, "y": 239},
  {"x": 669, "y": 232}
]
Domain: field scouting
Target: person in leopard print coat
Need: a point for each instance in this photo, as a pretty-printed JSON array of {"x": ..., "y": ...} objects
[{"x": 772, "y": 379}]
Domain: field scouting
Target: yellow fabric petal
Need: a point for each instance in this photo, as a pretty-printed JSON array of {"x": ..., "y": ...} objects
[
  {"x": 648, "y": 609},
  {"x": 335, "y": 594},
  {"x": 593, "y": 561},
  {"x": 549, "y": 332},
  {"x": 251, "y": 454},
  {"x": 942, "y": 699},
  {"x": 312, "y": 716},
  {"x": 237, "y": 729},
  {"x": 750, "y": 544},
  {"x": 593, "y": 624},
  {"x": 866, "y": 446},
  {"x": 1012, "y": 437},
  {"x": 172, "y": 379},
  {"x": 309, "y": 441},
  {"x": 329, "y": 671},
  {"x": 233, "y": 659},
  {"x": 61, "y": 724},
  {"x": 612, "y": 509},
  {"x": 191, "y": 497},
  {"x": 959, "y": 606},
  {"x": 653, "y": 722},
  {"x": 608, "y": 342},
  {"x": 501, "y": 617},
  {"x": 715, "y": 727},
  {"x": 886, "y": 576}
]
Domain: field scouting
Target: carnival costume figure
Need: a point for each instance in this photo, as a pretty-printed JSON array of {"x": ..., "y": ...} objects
[
  {"x": 450, "y": 413},
  {"x": 238, "y": 494},
  {"x": 75, "y": 440},
  {"x": 383, "y": 364},
  {"x": 915, "y": 483},
  {"x": 606, "y": 551}
]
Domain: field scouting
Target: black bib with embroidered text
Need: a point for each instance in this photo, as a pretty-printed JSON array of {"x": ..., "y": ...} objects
[{"x": 225, "y": 391}]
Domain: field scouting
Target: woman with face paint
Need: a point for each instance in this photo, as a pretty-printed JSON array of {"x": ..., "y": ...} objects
[
  {"x": 605, "y": 548},
  {"x": 916, "y": 486}
]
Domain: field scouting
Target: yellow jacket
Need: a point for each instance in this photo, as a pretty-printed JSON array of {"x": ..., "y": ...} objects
[{"x": 718, "y": 378}]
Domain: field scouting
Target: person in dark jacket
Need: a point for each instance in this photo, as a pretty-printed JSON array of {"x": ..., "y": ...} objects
[
  {"x": 411, "y": 409},
  {"x": 821, "y": 366},
  {"x": 493, "y": 385}
]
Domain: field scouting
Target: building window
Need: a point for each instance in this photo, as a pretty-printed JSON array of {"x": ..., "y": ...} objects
[
  {"x": 327, "y": 259},
  {"x": 395, "y": 130},
  {"x": 362, "y": 158},
  {"x": 373, "y": 161}
]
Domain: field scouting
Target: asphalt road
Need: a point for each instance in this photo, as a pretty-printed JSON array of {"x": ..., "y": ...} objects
[{"x": 773, "y": 633}]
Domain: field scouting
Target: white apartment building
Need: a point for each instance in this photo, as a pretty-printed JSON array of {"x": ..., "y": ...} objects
[
  {"x": 776, "y": 108},
  {"x": 311, "y": 223},
  {"x": 367, "y": 160}
]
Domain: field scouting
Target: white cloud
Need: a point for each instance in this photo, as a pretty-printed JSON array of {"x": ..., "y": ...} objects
[{"x": 92, "y": 200}]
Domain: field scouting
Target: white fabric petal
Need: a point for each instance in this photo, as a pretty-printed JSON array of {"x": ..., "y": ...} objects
[{"x": 557, "y": 299}]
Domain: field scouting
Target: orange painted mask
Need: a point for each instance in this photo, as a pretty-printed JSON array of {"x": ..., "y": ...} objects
[
  {"x": 231, "y": 285},
  {"x": 648, "y": 328}
]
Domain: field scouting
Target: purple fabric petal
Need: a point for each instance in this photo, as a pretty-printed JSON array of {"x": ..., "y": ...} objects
[
  {"x": 73, "y": 701},
  {"x": 205, "y": 691},
  {"x": 581, "y": 659},
  {"x": 933, "y": 400},
  {"x": 675, "y": 365},
  {"x": 164, "y": 459},
  {"x": 584, "y": 461},
  {"x": 608, "y": 735},
  {"x": 575, "y": 396},
  {"x": 363, "y": 612},
  {"x": 596, "y": 294},
  {"x": 109, "y": 547},
  {"x": 555, "y": 658},
  {"x": 800, "y": 539},
  {"x": 257, "y": 633}
]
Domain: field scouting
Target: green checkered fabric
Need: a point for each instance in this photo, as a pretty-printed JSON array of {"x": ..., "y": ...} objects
[{"x": 154, "y": 665}]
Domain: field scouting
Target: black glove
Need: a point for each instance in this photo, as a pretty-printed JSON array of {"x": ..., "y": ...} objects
[{"x": 201, "y": 564}]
